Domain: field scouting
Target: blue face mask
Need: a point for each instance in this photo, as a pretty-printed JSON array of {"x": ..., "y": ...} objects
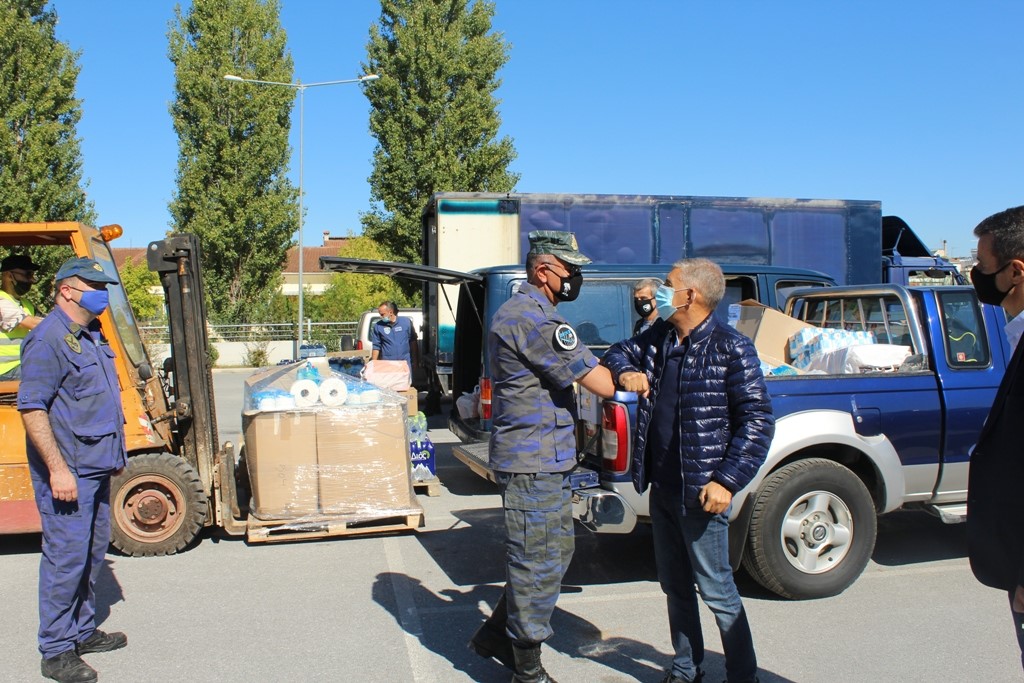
[
  {"x": 94, "y": 301},
  {"x": 663, "y": 298}
]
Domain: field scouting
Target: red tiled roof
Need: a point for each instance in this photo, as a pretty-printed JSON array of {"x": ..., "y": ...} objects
[{"x": 310, "y": 258}]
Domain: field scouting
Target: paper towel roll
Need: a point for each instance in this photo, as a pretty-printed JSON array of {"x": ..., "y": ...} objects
[
  {"x": 306, "y": 393},
  {"x": 333, "y": 392}
]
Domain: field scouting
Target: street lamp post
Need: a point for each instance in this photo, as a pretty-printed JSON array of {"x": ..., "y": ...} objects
[{"x": 301, "y": 88}]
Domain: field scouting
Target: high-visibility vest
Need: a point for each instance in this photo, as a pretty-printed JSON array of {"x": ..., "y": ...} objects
[{"x": 10, "y": 342}]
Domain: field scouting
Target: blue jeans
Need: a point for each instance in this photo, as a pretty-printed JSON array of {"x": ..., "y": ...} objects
[
  {"x": 1018, "y": 624},
  {"x": 692, "y": 546}
]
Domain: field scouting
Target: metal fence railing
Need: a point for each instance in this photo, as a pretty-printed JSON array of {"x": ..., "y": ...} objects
[{"x": 328, "y": 334}]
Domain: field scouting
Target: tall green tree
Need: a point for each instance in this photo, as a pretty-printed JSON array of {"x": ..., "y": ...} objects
[
  {"x": 349, "y": 294},
  {"x": 40, "y": 155},
  {"x": 139, "y": 281},
  {"x": 435, "y": 115},
  {"x": 232, "y": 188}
]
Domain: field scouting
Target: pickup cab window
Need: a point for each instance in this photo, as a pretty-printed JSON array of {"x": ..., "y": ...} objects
[
  {"x": 963, "y": 331},
  {"x": 884, "y": 316}
]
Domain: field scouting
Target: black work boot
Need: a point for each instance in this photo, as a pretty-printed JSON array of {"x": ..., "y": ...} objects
[
  {"x": 528, "y": 666},
  {"x": 67, "y": 667},
  {"x": 491, "y": 639},
  {"x": 102, "y": 642}
]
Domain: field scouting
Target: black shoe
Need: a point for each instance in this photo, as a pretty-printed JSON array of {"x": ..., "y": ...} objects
[
  {"x": 672, "y": 678},
  {"x": 102, "y": 642},
  {"x": 489, "y": 642},
  {"x": 528, "y": 666},
  {"x": 68, "y": 667}
]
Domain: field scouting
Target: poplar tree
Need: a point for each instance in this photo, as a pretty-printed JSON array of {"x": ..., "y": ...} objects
[
  {"x": 434, "y": 113},
  {"x": 232, "y": 188},
  {"x": 40, "y": 155}
]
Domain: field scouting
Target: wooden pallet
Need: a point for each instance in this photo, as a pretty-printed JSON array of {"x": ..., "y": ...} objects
[
  {"x": 432, "y": 486},
  {"x": 270, "y": 531}
]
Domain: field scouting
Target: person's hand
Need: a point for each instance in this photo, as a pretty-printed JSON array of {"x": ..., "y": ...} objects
[
  {"x": 635, "y": 381},
  {"x": 715, "y": 498},
  {"x": 1018, "y": 599},
  {"x": 64, "y": 485}
]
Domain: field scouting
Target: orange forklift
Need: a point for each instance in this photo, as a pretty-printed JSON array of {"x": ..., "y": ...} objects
[{"x": 178, "y": 479}]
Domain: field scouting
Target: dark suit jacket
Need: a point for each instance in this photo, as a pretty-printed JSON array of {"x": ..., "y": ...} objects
[{"x": 995, "y": 499}]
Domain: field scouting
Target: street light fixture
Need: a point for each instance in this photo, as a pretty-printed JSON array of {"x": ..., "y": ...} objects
[{"x": 301, "y": 88}]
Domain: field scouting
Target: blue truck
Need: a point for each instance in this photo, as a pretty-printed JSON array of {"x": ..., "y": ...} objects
[
  {"x": 848, "y": 239},
  {"x": 847, "y": 447}
]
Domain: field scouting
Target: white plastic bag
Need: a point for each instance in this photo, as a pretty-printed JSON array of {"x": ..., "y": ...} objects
[{"x": 468, "y": 405}]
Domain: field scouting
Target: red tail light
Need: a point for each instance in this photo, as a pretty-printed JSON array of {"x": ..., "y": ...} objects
[
  {"x": 485, "y": 398},
  {"x": 615, "y": 438},
  {"x": 359, "y": 345}
]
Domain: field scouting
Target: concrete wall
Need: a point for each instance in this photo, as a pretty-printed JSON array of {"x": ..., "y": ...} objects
[{"x": 232, "y": 354}]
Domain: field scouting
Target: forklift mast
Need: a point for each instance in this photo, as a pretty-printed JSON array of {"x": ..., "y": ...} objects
[{"x": 188, "y": 372}]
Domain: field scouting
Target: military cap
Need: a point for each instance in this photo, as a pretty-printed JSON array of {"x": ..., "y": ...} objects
[
  {"x": 84, "y": 269},
  {"x": 17, "y": 262},
  {"x": 557, "y": 243}
]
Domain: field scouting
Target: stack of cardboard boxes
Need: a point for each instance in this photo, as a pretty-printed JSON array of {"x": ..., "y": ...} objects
[{"x": 349, "y": 461}]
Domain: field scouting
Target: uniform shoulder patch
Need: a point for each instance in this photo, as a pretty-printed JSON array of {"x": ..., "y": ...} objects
[
  {"x": 566, "y": 338},
  {"x": 72, "y": 342}
]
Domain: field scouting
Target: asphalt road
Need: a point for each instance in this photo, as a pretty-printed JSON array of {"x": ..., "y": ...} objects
[{"x": 401, "y": 607}]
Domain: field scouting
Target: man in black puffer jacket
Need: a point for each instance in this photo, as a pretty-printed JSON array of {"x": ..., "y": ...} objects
[{"x": 704, "y": 425}]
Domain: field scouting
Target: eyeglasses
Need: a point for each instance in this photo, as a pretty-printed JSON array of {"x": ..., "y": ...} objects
[{"x": 570, "y": 271}]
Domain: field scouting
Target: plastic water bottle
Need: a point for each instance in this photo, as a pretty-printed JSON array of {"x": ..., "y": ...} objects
[{"x": 307, "y": 371}]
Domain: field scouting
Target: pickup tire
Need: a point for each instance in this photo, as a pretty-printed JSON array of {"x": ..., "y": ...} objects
[
  {"x": 812, "y": 530},
  {"x": 157, "y": 505}
]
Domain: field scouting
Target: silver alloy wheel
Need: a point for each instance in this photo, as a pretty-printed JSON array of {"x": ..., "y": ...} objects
[{"x": 816, "y": 532}]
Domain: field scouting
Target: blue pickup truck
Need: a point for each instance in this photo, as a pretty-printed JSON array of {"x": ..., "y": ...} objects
[{"x": 847, "y": 447}]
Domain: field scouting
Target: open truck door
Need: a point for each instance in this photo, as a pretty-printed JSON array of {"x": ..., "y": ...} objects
[{"x": 424, "y": 275}]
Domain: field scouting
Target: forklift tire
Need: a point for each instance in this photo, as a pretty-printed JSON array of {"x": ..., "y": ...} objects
[{"x": 157, "y": 505}]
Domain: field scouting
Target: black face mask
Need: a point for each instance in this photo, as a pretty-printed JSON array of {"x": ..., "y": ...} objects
[
  {"x": 21, "y": 288},
  {"x": 570, "y": 287},
  {"x": 643, "y": 307},
  {"x": 985, "y": 286}
]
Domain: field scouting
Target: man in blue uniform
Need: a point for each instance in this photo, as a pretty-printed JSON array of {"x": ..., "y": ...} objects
[
  {"x": 394, "y": 337},
  {"x": 70, "y": 402},
  {"x": 535, "y": 356}
]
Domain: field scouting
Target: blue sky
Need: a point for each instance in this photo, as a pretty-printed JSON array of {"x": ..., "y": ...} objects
[{"x": 918, "y": 104}]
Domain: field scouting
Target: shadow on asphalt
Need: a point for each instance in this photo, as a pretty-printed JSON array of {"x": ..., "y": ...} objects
[
  {"x": 911, "y": 536},
  {"x": 445, "y": 622}
]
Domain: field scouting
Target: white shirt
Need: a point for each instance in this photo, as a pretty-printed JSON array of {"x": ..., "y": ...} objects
[
  {"x": 11, "y": 313},
  {"x": 1014, "y": 330}
]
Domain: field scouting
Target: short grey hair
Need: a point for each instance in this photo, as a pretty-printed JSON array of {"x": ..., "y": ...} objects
[
  {"x": 705, "y": 276},
  {"x": 651, "y": 283}
]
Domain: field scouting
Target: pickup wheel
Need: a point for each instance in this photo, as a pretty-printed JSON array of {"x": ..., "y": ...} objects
[
  {"x": 157, "y": 505},
  {"x": 812, "y": 530}
]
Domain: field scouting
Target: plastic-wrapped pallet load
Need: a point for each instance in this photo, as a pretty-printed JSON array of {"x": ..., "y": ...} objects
[{"x": 341, "y": 451}]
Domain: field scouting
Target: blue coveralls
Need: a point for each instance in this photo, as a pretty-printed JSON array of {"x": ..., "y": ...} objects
[
  {"x": 535, "y": 356},
  {"x": 68, "y": 371}
]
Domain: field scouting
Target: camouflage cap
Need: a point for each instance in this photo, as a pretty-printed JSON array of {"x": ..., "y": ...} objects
[{"x": 559, "y": 244}]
